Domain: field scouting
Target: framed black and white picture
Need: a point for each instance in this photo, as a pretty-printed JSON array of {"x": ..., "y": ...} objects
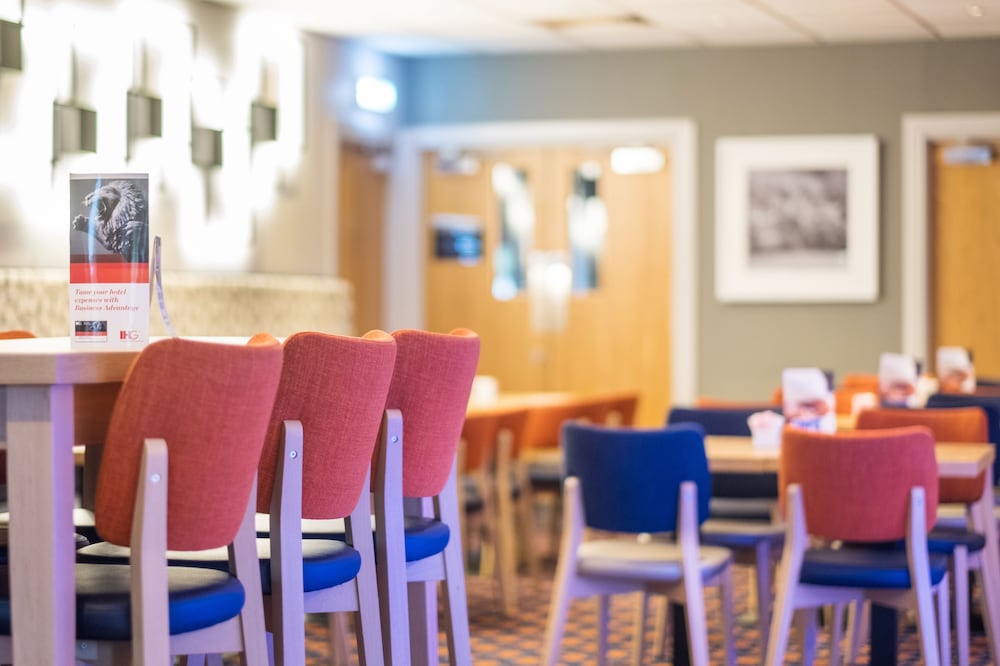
[{"x": 796, "y": 219}]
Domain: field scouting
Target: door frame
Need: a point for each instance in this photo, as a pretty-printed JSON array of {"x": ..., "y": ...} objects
[
  {"x": 919, "y": 131},
  {"x": 403, "y": 299}
]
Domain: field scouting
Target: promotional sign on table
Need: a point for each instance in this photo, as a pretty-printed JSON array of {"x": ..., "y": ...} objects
[
  {"x": 808, "y": 399},
  {"x": 109, "y": 260}
]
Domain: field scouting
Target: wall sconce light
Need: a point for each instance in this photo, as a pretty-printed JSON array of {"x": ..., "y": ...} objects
[
  {"x": 74, "y": 130},
  {"x": 548, "y": 282},
  {"x": 144, "y": 118},
  {"x": 263, "y": 122},
  {"x": 206, "y": 147},
  {"x": 10, "y": 45},
  {"x": 144, "y": 113},
  {"x": 74, "y": 127}
]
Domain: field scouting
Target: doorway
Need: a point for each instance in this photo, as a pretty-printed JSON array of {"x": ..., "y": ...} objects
[
  {"x": 360, "y": 211},
  {"x": 603, "y": 225},
  {"x": 964, "y": 236},
  {"x": 921, "y": 132},
  {"x": 406, "y": 241}
]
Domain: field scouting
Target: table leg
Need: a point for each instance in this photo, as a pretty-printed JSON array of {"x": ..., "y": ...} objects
[
  {"x": 884, "y": 635},
  {"x": 40, "y": 493},
  {"x": 682, "y": 656}
]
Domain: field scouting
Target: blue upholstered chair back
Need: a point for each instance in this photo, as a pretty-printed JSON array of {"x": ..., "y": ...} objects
[
  {"x": 630, "y": 478},
  {"x": 731, "y": 422},
  {"x": 990, "y": 404}
]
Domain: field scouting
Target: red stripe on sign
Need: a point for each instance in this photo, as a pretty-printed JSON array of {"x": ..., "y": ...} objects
[
  {"x": 86, "y": 334},
  {"x": 113, "y": 273}
]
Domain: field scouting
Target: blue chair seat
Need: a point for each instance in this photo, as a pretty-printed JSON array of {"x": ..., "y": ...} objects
[
  {"x": 198, "y": 598},
  {"x": 945, "y": 539},
  {"x": 653, "y": 561},
  {"x": 424, "y": 536},
  {"x": 876, "y": 567},
  {"x": 740, "y": 533},
  {"x": 325, "y": 562}
]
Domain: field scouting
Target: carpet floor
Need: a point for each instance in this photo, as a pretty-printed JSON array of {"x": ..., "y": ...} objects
[{"x": 515, "y": 641}]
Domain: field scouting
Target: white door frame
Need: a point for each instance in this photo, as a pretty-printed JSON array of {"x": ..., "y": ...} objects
[
  {"x": 404, "y": 267},
  {"x": 920, "y": 130}
]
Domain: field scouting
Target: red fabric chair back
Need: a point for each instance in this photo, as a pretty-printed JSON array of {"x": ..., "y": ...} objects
[
  {"x": 336, "y": 387},
  {"x": 211, "y": 403},
  {"x": 430, "y": 386},
  {"x": 961, "y": 424},
  {"x": 856, "y": 486}
]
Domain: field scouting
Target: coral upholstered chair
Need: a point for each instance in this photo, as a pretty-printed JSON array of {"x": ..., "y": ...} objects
[
  {"x": 315, "y": 464},
  {"x": 416, "y": 505},
  {"x": 962, "y": 544},
  {"x": 329, "y": 409},
  {"x": 864, "y": 489},
  {"x": 626, "y": 482},
  {"x": 179, "y": 471}
]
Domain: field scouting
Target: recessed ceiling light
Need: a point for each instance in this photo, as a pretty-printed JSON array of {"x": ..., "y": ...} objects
[
  {"x": 586, "y": 22},
  {"x": 976, "y": 11}
]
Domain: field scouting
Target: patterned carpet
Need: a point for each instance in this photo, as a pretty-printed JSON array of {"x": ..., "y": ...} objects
[{"x": 516, "y": 641}]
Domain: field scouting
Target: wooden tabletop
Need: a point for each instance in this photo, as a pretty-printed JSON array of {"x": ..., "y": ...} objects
[{"x": 737, "y": 454}]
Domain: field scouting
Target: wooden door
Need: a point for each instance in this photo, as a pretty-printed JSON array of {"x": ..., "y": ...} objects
[
  {"x": 965, "y": 258},
  {"x": 361, "y": 204},
  {"x": 617, "y": 335}
]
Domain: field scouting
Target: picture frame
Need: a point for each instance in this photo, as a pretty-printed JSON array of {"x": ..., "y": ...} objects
[{"x": 797, "y": 219}]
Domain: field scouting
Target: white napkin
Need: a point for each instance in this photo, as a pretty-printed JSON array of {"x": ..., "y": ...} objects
[
  {"x": 955, "y": 371},
  {"x": 897, "y": 380},
  {"x": 765, "y": 429},
  {"x": 808, "y": 399}
]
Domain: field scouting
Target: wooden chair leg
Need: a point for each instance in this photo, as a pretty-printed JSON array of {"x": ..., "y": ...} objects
[
  {"x": 762, "y": 570},
  {"x": 728, "y": 618},
  {"x": 960, "y": 574}
]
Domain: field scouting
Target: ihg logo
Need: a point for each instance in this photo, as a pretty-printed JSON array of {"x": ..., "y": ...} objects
[{"x": 132, "y": 334}]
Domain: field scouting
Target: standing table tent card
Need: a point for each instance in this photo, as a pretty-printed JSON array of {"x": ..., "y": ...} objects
[
  {"x": 109, "y": 260},
  {"x": 808, "y": 399},
  {"x": 897, "y": 380},
  {"x": 955, "y": 371}
]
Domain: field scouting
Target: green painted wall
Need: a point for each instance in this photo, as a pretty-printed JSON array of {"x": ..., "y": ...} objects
[{"x": 747, "y": 91}]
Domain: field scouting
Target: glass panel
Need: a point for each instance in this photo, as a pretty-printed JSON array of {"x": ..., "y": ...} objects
[
  {"x": 517, "y": 230},
  {"x": 588, "y": 223}
]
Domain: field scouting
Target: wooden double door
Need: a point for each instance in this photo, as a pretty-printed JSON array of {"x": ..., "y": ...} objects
[{"x": 616, "y": 333}]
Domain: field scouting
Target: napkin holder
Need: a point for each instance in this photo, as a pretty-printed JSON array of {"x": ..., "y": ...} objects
[{"x": 765, "y": 429}]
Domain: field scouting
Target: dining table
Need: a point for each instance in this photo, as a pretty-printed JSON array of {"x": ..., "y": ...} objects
[
  {"x": 39, "y": 379},
  {"x": 954, "y": 459}
]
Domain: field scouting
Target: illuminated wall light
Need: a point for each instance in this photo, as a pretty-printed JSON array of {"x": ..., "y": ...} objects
[
  {"x": 637, "y": 159},
  {"x": 375, "y": 94}
]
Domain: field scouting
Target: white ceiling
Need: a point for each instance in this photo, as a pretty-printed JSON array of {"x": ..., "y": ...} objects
[{"x": 429, "y": 27}]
